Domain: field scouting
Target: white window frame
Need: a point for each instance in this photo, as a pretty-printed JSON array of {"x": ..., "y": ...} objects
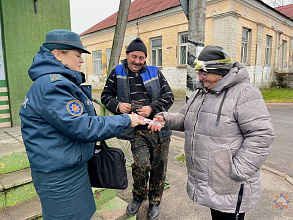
[
  {"x": 284, "y": 53},
  {"x": 268, "y": 52},
  {"x": 245, "y": 46},
  {"x": 156, "y": 51},
  {"x": 97, "y": 62},
  {"x": 183, "y": 45}
]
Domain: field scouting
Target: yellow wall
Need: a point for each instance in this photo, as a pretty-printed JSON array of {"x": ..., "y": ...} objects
[{"x": 249, "y": 19}]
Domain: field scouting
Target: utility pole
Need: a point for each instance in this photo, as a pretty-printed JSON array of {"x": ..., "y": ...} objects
[
  {"x": 195, "y": 11},
  {"x": 120, "y": 28}
]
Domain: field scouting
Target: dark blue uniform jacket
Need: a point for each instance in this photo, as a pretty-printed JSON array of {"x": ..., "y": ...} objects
[{"x": 58, "y": 122}]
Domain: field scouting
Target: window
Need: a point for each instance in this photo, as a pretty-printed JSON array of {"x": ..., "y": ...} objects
[
  {"x": 97, "y": 62},
  {"x": 284, "y": 52},
  {"x": 268, "y": 56},
  {"x": 245, "y": 45},
  {"x": 108, "y": 54},
  {"x": 183, "y": 46},
  {"x": 156, "y": 49}
]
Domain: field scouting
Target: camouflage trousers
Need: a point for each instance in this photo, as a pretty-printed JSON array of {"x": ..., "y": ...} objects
[{"x": 150, "y": 165}]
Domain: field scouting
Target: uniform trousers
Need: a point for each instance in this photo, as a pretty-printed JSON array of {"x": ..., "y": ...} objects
[{"x": 150, "y": 165}]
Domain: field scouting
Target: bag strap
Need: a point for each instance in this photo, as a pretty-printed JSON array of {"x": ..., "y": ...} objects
[{"x": 102, "y": 146}]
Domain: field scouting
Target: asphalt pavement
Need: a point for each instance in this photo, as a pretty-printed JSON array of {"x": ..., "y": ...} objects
[
  {"x": 277, "y": 185},
  {"x": 277, "y": 172},
  {"x": 177, "y": 205},
  {"x": 275, "y": 203}
]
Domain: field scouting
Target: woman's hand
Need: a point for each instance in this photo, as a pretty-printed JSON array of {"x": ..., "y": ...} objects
[
  {"x": 155, "y": 127},
  {"x": 135, "y": 121}
]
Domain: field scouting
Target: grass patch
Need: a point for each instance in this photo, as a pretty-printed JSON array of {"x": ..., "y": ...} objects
[
  {"x": 179, "y": 93},
  {"x": 270, "y": 95},
  {"x": 98, "y": 90},
  {"x": 181, "y": 158},
  {"x": 276, "y": 95}
]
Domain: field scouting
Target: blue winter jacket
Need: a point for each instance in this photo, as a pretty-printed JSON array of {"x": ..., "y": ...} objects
[{"x": 58, "y": 122}]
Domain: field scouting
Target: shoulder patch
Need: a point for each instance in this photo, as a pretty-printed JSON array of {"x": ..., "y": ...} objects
[
  {"x": 74, "y": 108},
  {"x": 55, "y": 77}
]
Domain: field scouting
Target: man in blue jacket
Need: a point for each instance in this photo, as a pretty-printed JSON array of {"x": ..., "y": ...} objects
[{"x": 136, "y": 87}]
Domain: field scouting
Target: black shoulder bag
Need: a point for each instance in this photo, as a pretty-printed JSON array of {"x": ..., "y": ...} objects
[{"x": 107, "y": 168}]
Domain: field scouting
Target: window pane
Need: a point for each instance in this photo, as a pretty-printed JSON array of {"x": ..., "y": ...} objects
[
  {"x": 268, "y": 50},
  {"x": 244, "y": 53},
  {"x": 284, "y": 47},
  {"x": 183, "y": 38},
  {"x": 159, "y": 57},
  {"x": 183, "y": 55},
  {"x": 268, "y": 41},
  {"x": 154, "y": 58},
  {"x": 99, "y": 54},
  {"x": 245, "y": 44},
  {"x": 97, "y": 62},
  {"x": 157, "y": 42},
  {"x": 108, "y": 54},
  {"x": 244, "y": 34}
]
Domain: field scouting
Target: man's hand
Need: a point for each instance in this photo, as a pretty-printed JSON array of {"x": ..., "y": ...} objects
[
  {"x": 144, "y": 111},
  {"x": 155, "y": 127},
  {"x": 124, "y": 108},
  {"x": 135, "y": 120}
]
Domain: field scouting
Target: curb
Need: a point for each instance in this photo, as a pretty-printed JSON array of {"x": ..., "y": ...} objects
[
  {"x": 177, "y": 138},
  {"x": 283, "y": 175}
]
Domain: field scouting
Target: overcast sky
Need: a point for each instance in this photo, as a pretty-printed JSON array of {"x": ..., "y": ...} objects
[{"x": 87, "y": 13}]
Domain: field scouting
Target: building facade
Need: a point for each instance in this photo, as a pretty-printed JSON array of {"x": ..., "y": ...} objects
[{"x": 249, "y": 30}]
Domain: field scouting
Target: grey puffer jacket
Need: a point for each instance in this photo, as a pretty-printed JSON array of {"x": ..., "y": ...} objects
[{"x": 228, "y": 133}]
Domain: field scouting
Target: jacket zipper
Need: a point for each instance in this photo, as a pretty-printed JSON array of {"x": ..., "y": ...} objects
[
  {"x": 239, "y": 201},
  {"x": 203, "y": 101}
]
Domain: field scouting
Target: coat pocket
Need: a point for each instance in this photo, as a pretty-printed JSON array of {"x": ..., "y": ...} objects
[{"x": 220, "y": 181}]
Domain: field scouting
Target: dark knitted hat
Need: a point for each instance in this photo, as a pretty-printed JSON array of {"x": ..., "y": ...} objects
[
  {"x": 137, "y": 45},
  {"x": 213, "y": 59}
]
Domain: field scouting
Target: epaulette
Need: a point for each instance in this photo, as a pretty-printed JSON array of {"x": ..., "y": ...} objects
[{"x": 55, "y": 77}]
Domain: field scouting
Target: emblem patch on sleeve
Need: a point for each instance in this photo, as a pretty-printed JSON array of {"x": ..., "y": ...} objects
[{"x": 75, "y": 108}]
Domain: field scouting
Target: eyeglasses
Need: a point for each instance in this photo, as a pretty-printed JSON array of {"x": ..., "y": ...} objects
[{"x": 202, "y": 74}]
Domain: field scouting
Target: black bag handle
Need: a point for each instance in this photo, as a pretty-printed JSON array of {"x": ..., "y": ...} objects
[{"x": 102, "y": 146}]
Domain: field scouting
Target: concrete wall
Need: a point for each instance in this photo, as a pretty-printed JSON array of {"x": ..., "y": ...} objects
[{"x": 23, "y": 31}]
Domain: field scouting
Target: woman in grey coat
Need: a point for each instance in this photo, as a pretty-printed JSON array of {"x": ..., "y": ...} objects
[{"x": 228, "y": 133}]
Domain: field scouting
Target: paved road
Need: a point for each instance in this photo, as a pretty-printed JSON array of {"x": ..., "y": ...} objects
[{"x": 281, "y": 157}]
